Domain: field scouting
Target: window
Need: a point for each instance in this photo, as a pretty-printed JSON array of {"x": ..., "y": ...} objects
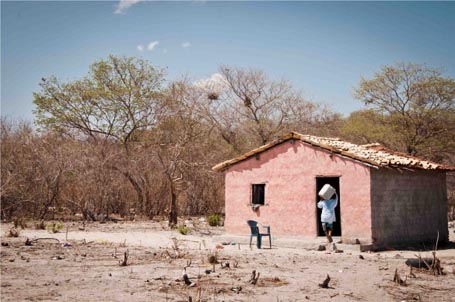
[{"x": 258, "y": 196}]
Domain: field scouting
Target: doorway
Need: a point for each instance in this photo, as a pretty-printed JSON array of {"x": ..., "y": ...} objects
[{"x": 334, "y": 182}]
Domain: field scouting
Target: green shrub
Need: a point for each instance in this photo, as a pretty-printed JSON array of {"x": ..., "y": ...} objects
[
  {"x": 214, "y": 219},
  {"x": 54, "y": 227},
  {"x": 183, "y": 230}
]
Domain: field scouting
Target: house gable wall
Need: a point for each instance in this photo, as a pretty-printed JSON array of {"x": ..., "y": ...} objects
[
  {"x": 289, "y": 171},
  {"x": 408, "y": 207}
]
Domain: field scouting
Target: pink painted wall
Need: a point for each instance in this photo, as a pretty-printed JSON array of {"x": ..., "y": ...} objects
[{"x": 289, "y": 171}]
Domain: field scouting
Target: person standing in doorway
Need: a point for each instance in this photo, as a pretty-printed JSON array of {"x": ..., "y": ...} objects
[{"x": 328, "y": 216}]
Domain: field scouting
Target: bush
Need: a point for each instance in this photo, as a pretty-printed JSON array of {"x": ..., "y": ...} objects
[
  {"x": 183, "y": 230},
  {"x": 40, "y": 225},
  {"x": 54, "y": 227},
  {"x": 212, "y": 257},
  {"x": 214, "y": 220},
  {"x": 20, "y": 222},
  {"x": 13, "y": 232}
]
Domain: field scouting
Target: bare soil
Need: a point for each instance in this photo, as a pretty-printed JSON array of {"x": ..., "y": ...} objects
[{"x": 84, "y": 265}]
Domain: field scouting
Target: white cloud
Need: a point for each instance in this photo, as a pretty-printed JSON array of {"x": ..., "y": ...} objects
[
  {"x": 165, "y": 51},
  {"x": 151, "y": 46},
  {"x": 215, "y": 84},
  {"x": 186, "y": 44},
  {"x": 123, "y": 5},
  {"x": 140, "y": 47}
]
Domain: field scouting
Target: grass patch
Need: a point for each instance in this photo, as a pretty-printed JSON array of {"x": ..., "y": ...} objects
[
  {"x": 54, "y": 227},
  {"x": 183, "y": 230},
  {"x": 214, "y": 220}
]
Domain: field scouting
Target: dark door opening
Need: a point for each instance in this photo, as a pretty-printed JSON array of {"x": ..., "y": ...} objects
[{"x": 334, "y": 182}]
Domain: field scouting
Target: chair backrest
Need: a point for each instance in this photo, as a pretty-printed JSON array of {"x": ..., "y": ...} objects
[{"x": 253, "y": 226}]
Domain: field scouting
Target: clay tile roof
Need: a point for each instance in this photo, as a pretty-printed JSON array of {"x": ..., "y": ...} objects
[{"x": 374, "y": 155}]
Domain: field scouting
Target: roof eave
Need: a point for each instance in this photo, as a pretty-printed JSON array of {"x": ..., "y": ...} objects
[
  {"x": 226, "y": 164},
  {"x": 294, "y": 135}
]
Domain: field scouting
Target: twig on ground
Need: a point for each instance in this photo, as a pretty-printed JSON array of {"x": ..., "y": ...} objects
[
  {"x": 436, "y": 266},
  {"x": 436, "y": 245},
  {"x": 187, "y": 280},
  {"x": 125, "y": 259},
  {"x": 325, "y": 283},
  {"x": 397, "y": 279},
  {"x": 254, "y": 277},
  {"x": 411, "y": 274},
  {"x": 29, "y": 242},
  {"x": 188, "y": 263},
  {"x": 199, "y": 294}
]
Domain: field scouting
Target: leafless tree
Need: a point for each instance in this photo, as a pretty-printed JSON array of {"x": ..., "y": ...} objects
[{"x": 249, "y": 109}]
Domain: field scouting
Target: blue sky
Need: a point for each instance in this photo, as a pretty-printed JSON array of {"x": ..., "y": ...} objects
[{"x": 322, "y": 48}]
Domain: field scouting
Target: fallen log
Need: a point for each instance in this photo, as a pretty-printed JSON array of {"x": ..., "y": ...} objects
[
  {"x": 419, "y": 262},
  {"x": 29, "y": 242}
]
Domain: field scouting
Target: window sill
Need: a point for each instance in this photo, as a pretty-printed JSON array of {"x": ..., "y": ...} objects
[{"x": 254, "y": 207}]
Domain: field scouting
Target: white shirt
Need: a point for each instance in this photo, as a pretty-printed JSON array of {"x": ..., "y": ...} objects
[{"x": 328, "y": 209}]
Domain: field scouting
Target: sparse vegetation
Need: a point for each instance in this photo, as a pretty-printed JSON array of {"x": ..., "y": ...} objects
[
  {"x": 184, "y": 230},
  {"x": 239, "y": 275},
  {"x": 214, "y": 220},
  {"x": 13, "y": 232},
  {"x": 212, "y": 257},
  {"x": 41, "y": 225},
  {"x": 156, "y": 160},
  {"x": 54, "y": 227},
  {"x": 20, "y": 222}
]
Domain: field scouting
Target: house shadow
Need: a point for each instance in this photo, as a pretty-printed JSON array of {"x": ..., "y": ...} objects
[{"x": 418, "y": 247}]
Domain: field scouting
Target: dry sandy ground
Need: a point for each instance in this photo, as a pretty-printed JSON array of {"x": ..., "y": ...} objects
[{"x": 87, "y": 269}]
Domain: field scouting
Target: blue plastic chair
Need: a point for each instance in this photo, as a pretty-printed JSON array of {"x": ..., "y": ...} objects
[{"x": 255, "y": 233}]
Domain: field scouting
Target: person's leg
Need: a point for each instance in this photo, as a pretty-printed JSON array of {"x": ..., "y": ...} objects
[
  {"x": 324, "y": 228},
  {"x": 329, "y": 232}
]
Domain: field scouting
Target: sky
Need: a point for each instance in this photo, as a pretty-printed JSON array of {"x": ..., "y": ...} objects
[{"x": 322, "y": 48}]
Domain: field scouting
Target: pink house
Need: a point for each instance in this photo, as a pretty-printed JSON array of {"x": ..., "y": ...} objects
[{"x": 386, "y": 198}]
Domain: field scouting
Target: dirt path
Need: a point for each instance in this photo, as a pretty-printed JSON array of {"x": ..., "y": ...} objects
[{"x": 90, "y": 271}]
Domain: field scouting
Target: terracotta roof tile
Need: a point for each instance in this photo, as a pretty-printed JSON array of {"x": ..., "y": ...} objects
[{"x": 371, "y": 154}]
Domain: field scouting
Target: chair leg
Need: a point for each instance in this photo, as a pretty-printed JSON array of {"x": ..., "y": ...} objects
[
  {"x": 259, "y": 242},
  {"x": 251, "y": 239}
]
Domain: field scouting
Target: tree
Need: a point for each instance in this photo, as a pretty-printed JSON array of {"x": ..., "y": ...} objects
[
  {"x": 418, "y": 105},
  {"x": 248, "y": 109},
  {"x": 119, "y": 97},
  {"x": 17, "y": 192},
  {"x": 33, "y": 170},
  {"x": 368, "y": 126},
  {"x": 178, "y": 142}
]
